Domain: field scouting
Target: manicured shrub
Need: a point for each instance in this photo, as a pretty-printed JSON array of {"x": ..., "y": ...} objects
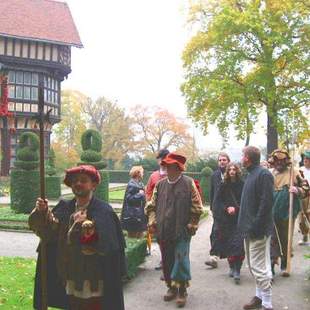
[
  {"x": 91, "y": 140},
  {"x": 205, "y": 183},
  {"x": 91, "y": 156},
  {"x": 25, "y": 189},
  {"x": 102, "y": 190},
  {"x": 53, "y": 186}
]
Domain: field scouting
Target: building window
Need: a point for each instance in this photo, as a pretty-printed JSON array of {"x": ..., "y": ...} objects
[{"x": 51, "y": 89}]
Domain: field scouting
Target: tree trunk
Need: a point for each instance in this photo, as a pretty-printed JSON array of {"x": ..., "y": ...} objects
[
  {"x": 247, "y": 140},
  {"x": 272, "y": 134}
]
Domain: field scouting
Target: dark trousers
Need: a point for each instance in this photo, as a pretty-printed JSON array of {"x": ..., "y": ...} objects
[{"x": 167, "y": 249}]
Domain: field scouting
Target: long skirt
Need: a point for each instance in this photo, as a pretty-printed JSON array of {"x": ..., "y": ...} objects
[{"x": 175, "y": 260}]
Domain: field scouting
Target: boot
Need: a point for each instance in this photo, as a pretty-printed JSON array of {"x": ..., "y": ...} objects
[
  {"x": 284, "y": 273},
  {"x": 182, "y": 296},
  {"x": 237, "y": 269},
  {"x": 171, "y": 294}
]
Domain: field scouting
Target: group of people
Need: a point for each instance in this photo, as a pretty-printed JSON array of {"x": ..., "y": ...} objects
[
  {"x": 82, "y": 244},
  {"x": 252, "y": 216}
]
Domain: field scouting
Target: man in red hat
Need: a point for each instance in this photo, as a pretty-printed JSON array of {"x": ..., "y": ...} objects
[
  {"x": 174, "y": 213},
  {"x": 85, "y": 248}
]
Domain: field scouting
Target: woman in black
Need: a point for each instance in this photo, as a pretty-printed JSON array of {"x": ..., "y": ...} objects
[
  {"x": 225, "y": 211},
  {"x": 133, "y": 218}
]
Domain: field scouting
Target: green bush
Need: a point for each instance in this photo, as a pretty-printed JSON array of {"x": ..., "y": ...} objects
[
  {"x": 26, "y": 154},
  {"x": 91, "y": 140},
  {"x": 26, "y": 165},
  {"x": 53, "y": 189},
  {"x": 29, "y": 140},
  {"x": 50, "y": 168},
  {"x": 135, "y": 254},
  {"x": 205, "y": 183},
  {"x": 91, "y": 156},
  {"x": 25, "y": 189},
  {"x": 102, "y": 190}
]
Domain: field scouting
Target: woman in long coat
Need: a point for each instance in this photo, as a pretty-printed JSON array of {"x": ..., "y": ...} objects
[
  {"x": 133, "y": 218},
  {"x": 226, "y": 210}
]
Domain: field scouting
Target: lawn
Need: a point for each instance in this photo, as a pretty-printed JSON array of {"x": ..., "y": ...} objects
[{"x": 117, "y": 195}]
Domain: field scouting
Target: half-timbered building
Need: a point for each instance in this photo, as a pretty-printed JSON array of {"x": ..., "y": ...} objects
[{"x": 36, "y": 37}]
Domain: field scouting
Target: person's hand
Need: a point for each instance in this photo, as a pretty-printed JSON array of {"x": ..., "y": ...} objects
[
  {"x": 293, "y": 189},
  {"x": 42, "y": 204},
  {"x": 192, "y": 229},
  {"x": 231, "y": 210},
  {"x": 80, "y": 216}
]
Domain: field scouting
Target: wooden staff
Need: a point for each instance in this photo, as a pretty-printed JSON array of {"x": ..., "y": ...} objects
[
  {"x": 43, "y": 247},
  {"x": 290, "y": 214}
]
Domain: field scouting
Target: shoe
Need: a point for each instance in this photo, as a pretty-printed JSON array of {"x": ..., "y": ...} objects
[
  {"x": 159, "y": 267},
  {"x": 285, "y": 274},
  {"x": 171, "y": 294},
  {"x": 255, "y": 303},
  {"x": 211, "y": 263},
  {"x": 264, "y": 308},
  {"x": 181, "y": 299}
]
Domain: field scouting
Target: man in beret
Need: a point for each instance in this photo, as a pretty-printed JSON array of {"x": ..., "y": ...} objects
[
  {"x": 281, "y": 172},
  {"x": 304, "y": 216},
  {"x": 174, "y": 213},
  {"x": 85, "y": 248}
]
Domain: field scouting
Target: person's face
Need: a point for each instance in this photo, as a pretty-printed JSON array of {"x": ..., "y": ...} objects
[
  {"x": 140, "y": 174},
  {"x": 172, "y": 170},
  {"x": 159, "y": 161},
  {"x": 223, "y": 161},
  {"x": 232, "y": 171},
  {"x": 307, "y": 162},
  {"x": 280, "y": 164},
  {"x": 82, "y": 185},
  {"x": 245, "y": 160}
]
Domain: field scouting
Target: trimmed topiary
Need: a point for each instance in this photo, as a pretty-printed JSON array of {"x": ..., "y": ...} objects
[
  {"x": 50, "y": 168},
  {"x": 25, "y": 189},
  {"x": 92, "y": 144},
  {"x": 205, "y": 182},
  {"x": 25, "y": 180},
  {"x": 91, "y": 140},
  {"x": 53, "y": 188}
]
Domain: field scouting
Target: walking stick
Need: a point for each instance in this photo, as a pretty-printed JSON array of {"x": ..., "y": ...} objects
[
  {"x": 290, "y": 214},
  {"x": 43, "y": 250}
]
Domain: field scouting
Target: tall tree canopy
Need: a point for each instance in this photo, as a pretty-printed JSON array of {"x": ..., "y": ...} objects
[
  {"x": 157, "y": 128},
  {"x": 249, "y": 56}
]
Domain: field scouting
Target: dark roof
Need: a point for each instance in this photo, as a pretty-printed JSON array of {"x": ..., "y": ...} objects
[{"x": 41, "y": 20}]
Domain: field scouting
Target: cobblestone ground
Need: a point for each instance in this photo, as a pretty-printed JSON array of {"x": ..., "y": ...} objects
[{"x": 210, "y": 289}]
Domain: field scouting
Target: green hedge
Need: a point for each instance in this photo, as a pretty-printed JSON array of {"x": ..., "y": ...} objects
[
  {"x": 25, "y": 189},
  {"x": 102, "y": 190},
  {"x": 122, "y": 176},
  {"x": 135, "y": 254},
  {"x": 53, "y": 190}
]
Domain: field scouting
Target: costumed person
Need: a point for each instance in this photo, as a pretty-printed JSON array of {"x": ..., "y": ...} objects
[
  {"x": 85, "y": 248},
  {"x": 133, "y": 218},
  {"x": 225, "y": 211},
  {"x": 282, "y": 188},
  {"x": 174, "y": 213},
  {"x": 304, "y": 215},
  {"x": 217, "y": 179},
  {"x": 255, "y": 223},
  {"x": 154, "y": 178}
]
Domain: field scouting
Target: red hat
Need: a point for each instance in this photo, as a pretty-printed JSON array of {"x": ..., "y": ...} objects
[
  {"x": 173, "y": 158},
  {"x": 86, "y": 169}
]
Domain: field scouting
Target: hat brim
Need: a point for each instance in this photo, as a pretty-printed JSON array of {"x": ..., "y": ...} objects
[{"x": 169, "y": 161}]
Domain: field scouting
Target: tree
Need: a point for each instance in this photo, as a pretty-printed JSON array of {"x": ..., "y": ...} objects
[
  {"x": 248, "y": 56},
  {"x": 157, "y": 128},
  {"x": 67, "y": 134},
  {"x": 113, "y": 124}
]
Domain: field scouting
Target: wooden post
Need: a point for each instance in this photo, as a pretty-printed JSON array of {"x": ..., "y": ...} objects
[{"x": 43, "y": 250}]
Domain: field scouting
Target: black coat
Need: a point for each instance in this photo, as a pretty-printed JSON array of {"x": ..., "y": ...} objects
[
  {"x": 229, "y": 240},
  {"x": 255, "y": 216},
  {"x": 111, "y": 242},
  {"x": 215, "y": 182},
  {"x": 132, "y": 217}
]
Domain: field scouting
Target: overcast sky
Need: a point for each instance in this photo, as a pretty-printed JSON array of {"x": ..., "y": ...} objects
[{"x": 132, "y": 55}]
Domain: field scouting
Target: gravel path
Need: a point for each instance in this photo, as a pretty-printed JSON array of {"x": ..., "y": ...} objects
[{"x": 210, "y": 289}]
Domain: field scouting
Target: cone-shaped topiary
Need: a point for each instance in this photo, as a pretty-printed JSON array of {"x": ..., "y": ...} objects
[
  {"x": 25, "y": 182},
  {"x": 92, "y": 145},
  {"x": 53, "y": 188},
  {"x": 205, "y": 182}
]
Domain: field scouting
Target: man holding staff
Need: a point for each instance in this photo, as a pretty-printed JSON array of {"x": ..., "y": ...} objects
[
  {"x": 284, "y": 174},
  {"x": 84, "y": 245}
]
